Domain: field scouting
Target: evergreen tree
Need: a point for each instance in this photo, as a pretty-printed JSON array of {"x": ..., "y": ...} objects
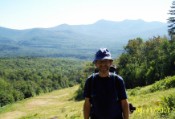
[{"x": 171, "y": 21}]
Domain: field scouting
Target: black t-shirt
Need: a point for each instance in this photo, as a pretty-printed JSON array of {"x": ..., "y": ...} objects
[{"x": 105, "y": 94}]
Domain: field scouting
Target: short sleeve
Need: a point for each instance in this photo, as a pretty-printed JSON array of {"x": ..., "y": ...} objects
[
  {"x": 121, "y": 88},
  {"x": 87, "y": 88}
]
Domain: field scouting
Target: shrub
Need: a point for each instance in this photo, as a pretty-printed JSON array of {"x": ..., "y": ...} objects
[
  {"x": 134, "y": 91},
  {"x": 79, "y": 93},
  {"x": 18, "y": 95},
  {"x": 6, "y": 98},
  {"x": 167, "y": 105},
  {"x": 168, "y": 82}
]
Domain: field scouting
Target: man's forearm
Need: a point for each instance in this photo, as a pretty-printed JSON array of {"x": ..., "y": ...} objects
[
  {"x": 125, "y": 108},
  {"x": 86, "y": 112},
  {"x": 86, "y": 109}
]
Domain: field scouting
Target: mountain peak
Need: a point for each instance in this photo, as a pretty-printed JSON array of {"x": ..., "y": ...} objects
[
  {"x": 77, "y": 40},
  {"x": 103, "y": 21}
]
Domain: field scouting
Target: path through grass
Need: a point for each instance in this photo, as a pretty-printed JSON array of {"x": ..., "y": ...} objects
[
  {"x": 57, "y": 104},
  {"x": 60, "y": 105}
]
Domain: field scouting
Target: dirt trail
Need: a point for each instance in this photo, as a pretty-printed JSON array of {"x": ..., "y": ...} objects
[{"x": 39, "y": 104}]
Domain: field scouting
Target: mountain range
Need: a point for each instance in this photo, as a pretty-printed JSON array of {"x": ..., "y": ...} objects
[{"x": 78, "y": 41}]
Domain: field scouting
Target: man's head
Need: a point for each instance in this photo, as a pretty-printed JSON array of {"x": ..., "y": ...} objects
[
  {"x": 103, "y": 60},
  {"x": 102, "y": 54}
]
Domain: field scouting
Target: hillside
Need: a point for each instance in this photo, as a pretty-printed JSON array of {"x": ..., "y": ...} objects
[
  {"x": 60, "y": 105},
  {"x": 55, "y": 104},
  {"x": 78, "y": 41}
]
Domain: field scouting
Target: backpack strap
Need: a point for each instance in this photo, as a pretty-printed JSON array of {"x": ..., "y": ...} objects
[
  {"x": 113, "y": 77},
  {"x": 92, "y": 84}
]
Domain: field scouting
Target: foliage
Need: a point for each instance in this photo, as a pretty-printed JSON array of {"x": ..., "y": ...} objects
[
  {"x": 171, "y": 21},
  {"x": 59, "y": 104},
  {"x": 162, "y": 85},
  {"x": 87, "y": 70},
  {"x": 143, "y": 63},
  {"x": 168, "y": 103},
  {"x": 133, "y": 92},
  {"x": 168, "y": 82},
  {"x": 6, "y": 95},
  {"x": 6, "y": 98},
  {"x": 27, "y": 77}
]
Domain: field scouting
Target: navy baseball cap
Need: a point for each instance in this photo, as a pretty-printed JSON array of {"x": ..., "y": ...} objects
[{"x": 102, "y": 54}]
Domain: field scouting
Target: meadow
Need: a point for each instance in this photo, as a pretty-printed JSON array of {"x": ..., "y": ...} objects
[{"x": 60, "y": 104}]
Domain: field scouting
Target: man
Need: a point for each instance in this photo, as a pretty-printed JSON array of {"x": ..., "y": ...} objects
[{"x": 104, "y": 92}]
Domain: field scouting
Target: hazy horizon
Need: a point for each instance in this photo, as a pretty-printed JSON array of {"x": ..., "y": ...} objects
[{"x": 26, "y": 14}]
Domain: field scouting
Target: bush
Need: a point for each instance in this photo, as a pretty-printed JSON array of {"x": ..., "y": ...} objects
[
  {"x": 6, "y": 98},
  {"x": 18, "y": 95},
  {"x": 79, "y": 93},
  {"x": 168, "y": 82},
  {"x": 167, "y": 105},
  {"x": 172, "y": 115},
  {"x": 169, "y": 101},
  {"x": 133, "y": 92}
]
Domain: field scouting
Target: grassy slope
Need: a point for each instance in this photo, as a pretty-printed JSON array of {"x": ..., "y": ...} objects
[
  {"x": 55, "y": 104},
  {"x": 59, "y": 104},
  {"x": 149, "y": 104}
]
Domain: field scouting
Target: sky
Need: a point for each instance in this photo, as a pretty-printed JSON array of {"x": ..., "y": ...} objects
[{"x": 25, "y": 14}]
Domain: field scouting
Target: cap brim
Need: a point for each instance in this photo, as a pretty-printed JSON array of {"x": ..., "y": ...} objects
[{"x": 105, "y": 58}]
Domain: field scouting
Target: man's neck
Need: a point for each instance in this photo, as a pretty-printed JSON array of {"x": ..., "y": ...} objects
[{"x": 104, "y": 74}]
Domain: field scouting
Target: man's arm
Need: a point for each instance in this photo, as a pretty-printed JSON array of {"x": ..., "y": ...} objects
[
  {"x": 86, "y": 108},
  {"x": 125, "y": 108}
]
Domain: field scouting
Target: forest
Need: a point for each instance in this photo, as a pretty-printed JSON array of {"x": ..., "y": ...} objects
[
  {"x": 24, "y": 77},
  {"x": 142, "y": 63}
]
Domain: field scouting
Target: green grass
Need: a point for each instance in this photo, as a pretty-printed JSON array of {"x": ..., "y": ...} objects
[
  {"x": 149, "y": 105},
  {"x": 60, "y": 105},
  {"x": 55, "y": 104}
]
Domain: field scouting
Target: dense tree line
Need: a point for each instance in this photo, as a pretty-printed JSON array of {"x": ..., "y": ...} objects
[
  {"x": 142, "y": 63},
  {"x": 22, "y": 78}
]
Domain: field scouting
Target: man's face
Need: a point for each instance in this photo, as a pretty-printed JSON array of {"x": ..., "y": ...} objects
[{"x": 103, "y": 65}]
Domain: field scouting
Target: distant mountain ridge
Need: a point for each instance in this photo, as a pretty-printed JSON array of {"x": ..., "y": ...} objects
[{"x": 79, "y": 41}]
